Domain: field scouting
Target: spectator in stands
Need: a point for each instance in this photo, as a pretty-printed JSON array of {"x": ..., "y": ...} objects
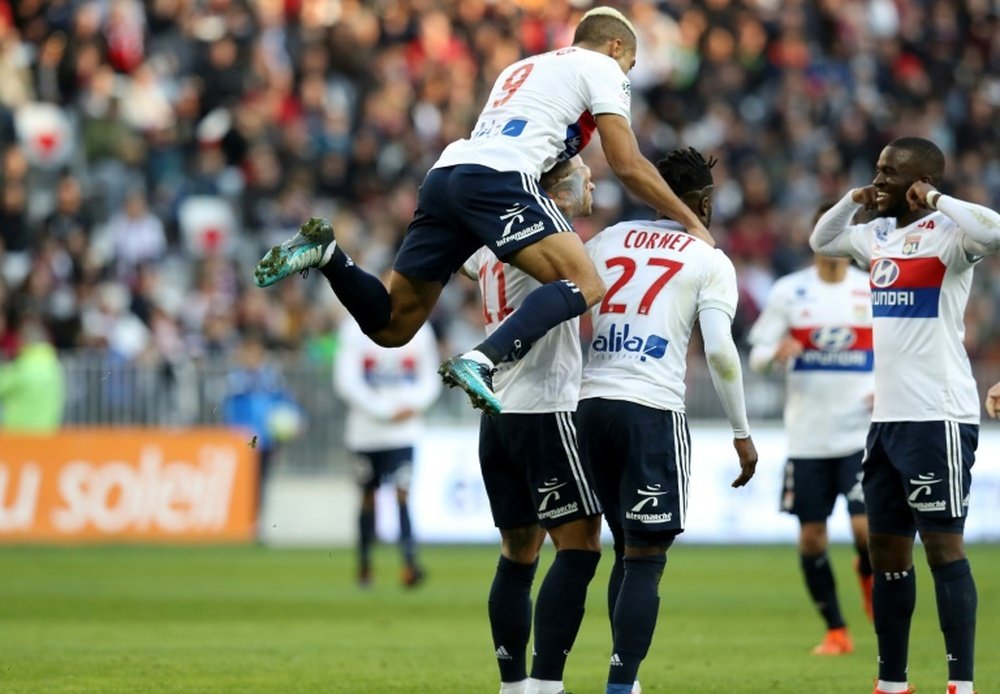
[{"x": 32, "y": 389}]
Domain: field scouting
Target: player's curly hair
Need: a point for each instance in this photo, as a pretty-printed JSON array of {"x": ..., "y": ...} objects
[
  {"x": 686, "y": 170},
  {"x": 929, "y": 157}
]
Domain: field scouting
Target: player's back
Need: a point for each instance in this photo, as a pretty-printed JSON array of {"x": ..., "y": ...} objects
[
  {"x": 658, "y": 277},
  {"x": 541, "y": 110},
  {"x": 547, "y": 378}
]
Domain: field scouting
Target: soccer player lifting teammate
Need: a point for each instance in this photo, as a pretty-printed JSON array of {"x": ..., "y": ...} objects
[
  {"x": 534, "y": 478},
  {"x": 633, "y": 430},
  {"x": 484, "y": 191},
  {"x": 817, "y": 324},
  {"x": 921, "y": 251}
]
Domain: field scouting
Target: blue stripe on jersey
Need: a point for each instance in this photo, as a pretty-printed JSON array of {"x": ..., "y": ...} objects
[
  {"x": 846, "y": 360},
  {"x": 906, "y": 303}
]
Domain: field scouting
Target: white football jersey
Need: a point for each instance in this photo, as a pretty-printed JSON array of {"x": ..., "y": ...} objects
[
  {"x": 376, "y": 382},
  {"x": 827, "y": 407},
  {"x": 920, "y": 277},
  {"x": 547, "y": 378},
  {"x": 659, "y": 278},
  {"x": 541, "y": 110}
]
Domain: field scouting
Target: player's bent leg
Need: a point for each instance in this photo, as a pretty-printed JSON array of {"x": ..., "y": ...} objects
[
  {"x": 561, "y": 599},
  {"x": 957, "y": 600},
  {"x": 412, "y": 301},
  {"x": 510, "y": 602},
  {"x": 561, "y": 257}
]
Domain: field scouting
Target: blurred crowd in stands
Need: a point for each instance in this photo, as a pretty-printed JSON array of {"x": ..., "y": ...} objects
[{"x": 152, "y": 150}]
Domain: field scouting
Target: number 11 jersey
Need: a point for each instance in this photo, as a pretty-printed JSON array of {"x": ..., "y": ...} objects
[{"x": 659, "y": 278}]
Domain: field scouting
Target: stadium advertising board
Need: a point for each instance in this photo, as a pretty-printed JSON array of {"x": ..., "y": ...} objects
[
  {"x": 144, "y": 485},
  {"x": 449, "y": 504}
]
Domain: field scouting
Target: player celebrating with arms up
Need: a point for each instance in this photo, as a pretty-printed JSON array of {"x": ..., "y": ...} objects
[
  {"x": 925, "y": 425},
  {"x": 633, "y": 431},
  {"x": 484, "y": 190}
]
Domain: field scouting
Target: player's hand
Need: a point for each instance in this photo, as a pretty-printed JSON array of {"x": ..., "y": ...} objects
[
  {"x": 403, "y": 414},
  {"x": 748, "y": 460},
  {"x": 993, "y": 401},
  {"x": 864, "y": 196},
  {"x": 698, "y": 229},
  {"x": 916, "y": 195},
  {"x": 788, "y": 349}
]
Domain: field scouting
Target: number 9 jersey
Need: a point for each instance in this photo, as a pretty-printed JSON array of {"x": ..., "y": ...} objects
[
  {"x": 659, "y": 278},
  {"x": 541, "y": 110}
]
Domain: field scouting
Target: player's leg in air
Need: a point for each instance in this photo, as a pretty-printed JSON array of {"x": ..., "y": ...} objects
[{"x": 459, "y": 210}]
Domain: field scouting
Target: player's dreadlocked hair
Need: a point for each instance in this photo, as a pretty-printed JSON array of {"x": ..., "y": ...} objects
[{"x": 685, "y": 170}]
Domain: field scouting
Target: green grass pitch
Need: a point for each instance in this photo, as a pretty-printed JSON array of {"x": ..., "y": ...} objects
[{"x": 252, "y": 619}]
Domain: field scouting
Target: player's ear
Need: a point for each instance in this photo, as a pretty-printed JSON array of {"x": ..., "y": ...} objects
[{"x": 617, "y": 46}]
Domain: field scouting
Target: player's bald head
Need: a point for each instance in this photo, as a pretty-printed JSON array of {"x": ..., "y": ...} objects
[{"x": 603, "y": 24}]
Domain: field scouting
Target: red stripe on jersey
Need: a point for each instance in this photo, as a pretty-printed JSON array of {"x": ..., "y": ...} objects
[
  {"x": 587, "y": 126},
  {"x": 828, "y": 338},
  {"x": 914, "y": 273}
]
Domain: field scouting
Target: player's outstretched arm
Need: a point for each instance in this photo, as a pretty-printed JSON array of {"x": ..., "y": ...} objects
[
  {"x": 831, "y": 235},
  {"x": 640, "y": 176},
  {"x": 993, "y": 401},
  {"x": 980, "y": 224},
  {"x": 727, "y": 378}
]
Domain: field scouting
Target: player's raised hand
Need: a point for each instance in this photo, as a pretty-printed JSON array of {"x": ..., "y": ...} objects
[
  {"x": 993, "y": 401},
  {"x": 698, "y": 229},
  {"x": 916, "y": 195},
  {"x": 864, "y": 196},
  {"x": 748, "y": 460}
]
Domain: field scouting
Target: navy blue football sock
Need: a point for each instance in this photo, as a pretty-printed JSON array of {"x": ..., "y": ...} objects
[
  {"x": 615, "y": 586},
  {"x": 822, "y": 588},
  {"x": 510, "y": 617},
  {"x": 362, "y": 294},
  {"x": 894, "y": 596},
  {"x": 864, "y": 561},
  {"x": 956, "y": 603},
  {"x": 559, "y": 610},
  {"x": 635, "y": 617},
  {"x": 406, "y": 543},
  {"x": 366, "y": 537},
  {"x": 542, "y": 310}
]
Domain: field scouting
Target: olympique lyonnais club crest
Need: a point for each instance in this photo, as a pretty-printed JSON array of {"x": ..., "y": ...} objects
[{"x": 911, "y": 244}]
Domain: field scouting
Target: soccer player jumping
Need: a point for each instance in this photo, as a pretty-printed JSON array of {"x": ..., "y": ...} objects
[
  {"x": 925, "y": 425},
  {"x": 484, "y": 190}
]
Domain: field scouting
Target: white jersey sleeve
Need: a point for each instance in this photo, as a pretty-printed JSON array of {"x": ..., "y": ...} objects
[
  {"x": 541, "y": 110},
  {"x": 718, "y": 288}
]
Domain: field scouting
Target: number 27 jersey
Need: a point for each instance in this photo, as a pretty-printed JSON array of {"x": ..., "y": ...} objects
[{"x": 659, "y": 278}]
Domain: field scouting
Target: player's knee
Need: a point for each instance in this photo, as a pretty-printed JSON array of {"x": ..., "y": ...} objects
[
  {"x": 583, "y": 534},
  {"x": 396, "y": 334}
]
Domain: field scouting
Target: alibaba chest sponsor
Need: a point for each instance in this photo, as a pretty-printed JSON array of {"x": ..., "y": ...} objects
[{"x": 618, "y": 341}]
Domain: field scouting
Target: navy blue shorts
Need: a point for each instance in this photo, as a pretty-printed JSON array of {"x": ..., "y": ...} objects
[
  {"x": 375, "y": 468},
  {"x": 532, "y": 471},
  {"x": 812, "y": 486},
  {"x": 640, "y": 457},
  {"x": 917, "y": 475},
  {"x": 462, "y": 208}
]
